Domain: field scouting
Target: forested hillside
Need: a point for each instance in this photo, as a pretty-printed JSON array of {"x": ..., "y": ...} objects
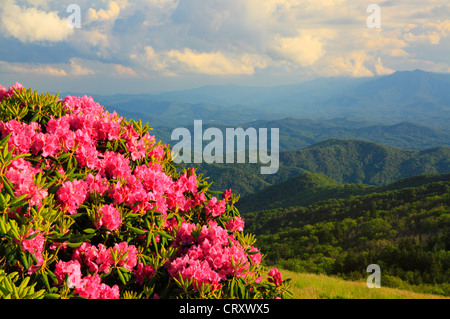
[
  {"x": 309, "y": 188},
  {"x": 406, "y": 231},
  {"x": 344, "y": 161}
]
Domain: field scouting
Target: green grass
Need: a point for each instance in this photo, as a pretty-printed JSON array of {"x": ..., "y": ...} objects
[{"x": 312, "y": 286}]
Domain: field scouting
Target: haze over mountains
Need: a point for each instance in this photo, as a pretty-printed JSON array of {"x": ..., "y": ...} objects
[{"x": 415, "y": 96}]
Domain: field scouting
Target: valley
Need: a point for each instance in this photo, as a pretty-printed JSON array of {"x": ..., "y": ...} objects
[{"x": 363, "y": 178}]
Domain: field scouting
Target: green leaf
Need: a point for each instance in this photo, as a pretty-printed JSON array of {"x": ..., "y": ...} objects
[
  {"x": 136, "y": 230},
  {"x": 7, "y": 185},
  {"x": 44, "y": 280},
  {"x": 17, "y": 199},
  {"x": 165, "y": 235},
  {"x": 155, "y": 244},
  {"x": 24, "y": 260},
  {"x": 74, "y": 245},
  {"x": 122, "y": 279}
]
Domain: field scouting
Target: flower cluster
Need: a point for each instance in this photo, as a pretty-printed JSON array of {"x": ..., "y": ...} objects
[
  {"x": 276, "y": 276},
  {"x": 94, "y": 203},
  {"x": 212, "y": 257},
  {"x": 102, "y": 258}
]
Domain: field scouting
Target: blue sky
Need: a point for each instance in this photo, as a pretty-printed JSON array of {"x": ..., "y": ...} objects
[{"x": 147, "y": 46}]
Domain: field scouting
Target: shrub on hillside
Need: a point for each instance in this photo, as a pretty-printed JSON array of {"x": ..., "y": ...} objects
[{"x": 92, "y": 206}]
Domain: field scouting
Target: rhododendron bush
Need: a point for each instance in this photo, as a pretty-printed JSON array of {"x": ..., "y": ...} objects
[{"x": 92, "y": 206}]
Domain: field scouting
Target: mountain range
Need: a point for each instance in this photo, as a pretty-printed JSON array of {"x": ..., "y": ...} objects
[
  {"x": 296, "y": 134},
  {"x": 310, "y": 188},
  {"x": 345, "y": 161},
  {"x": 413, "y": 96}
]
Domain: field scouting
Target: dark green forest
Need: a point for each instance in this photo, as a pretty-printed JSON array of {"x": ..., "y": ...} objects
[
  {"x": 404, "y": 229},
  {"x": 344, "y": 161}
]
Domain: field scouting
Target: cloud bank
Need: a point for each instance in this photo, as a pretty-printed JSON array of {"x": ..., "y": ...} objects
[{"x": 153, "y": 39}]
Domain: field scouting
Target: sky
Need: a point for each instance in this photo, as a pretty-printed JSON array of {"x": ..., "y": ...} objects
[{"x": 149, "y": 46}]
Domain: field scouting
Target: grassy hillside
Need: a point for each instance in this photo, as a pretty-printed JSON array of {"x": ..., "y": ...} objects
[
  {"x": 319, "y": 286},
  {"x": 406, "y": 231}
]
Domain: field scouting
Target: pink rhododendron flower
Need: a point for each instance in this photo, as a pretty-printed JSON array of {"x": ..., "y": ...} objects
[
  {"x": 21, "y": 174},
  {"x": 72, "y": 195},
  {"x": 92, "y": 288},
  {"x": 127, "y": 255},
  {"x": 73, "y": 271},
  {"x": 107, "y": 127},
  {"x": 114, "y": 169},
  {"x": 188, "y": 183},
  {"x": 184, "y": 234},
  {"x": 153, "y": 178},
  {"x": 276, "y": 276},
  {"x": 16, "y": 87},
  {"x": 109, "y": 217},
  {"x": 22, "y": 134},
  {"x": 143, "y": 272},
  {"x": 198, "y": 270},
  {"x": 101, "y": 260},
  {"x": 227, "y": 195},
  {"x": 83, "y": 105},
  {"x": 3, "y": 92},
  {"x": 236, "y": 224},
  {"x": 96, "y": 259},
  {"x": 215, "y": 208},
  {"x": 35, "y": 246},
  {"x": 115, "y": 165},
  {"x": 96, "y": 184},
  {"x": 47, "y": 143},
  {"x": 211, "y": 259},
  {"x": 104, "y": 259},
  {"x": 255, "y": 257},
  {"x": 157, "y": 152}
]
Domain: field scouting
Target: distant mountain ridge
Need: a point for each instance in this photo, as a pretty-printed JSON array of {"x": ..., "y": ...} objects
[
  {"x": 301, "y": 190},
  {"x": 310, "y": 188},
  {"x": 300, "y": 133},
  {"x": 342, "y": 160},
  {"x": 413, "y": 96},
  {"x": 416, "y": 96}
]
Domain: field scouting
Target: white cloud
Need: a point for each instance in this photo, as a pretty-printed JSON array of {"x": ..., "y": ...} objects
[
  {"x": 159, "y": 38},
  {"x": 381, "y": 69},
  {"x": 112, "y": 11},
  {"x": 215, "y": 63},
  {"x": 31, "y": 24},
  {"x": 44, "y": 70},
  {"x": 350, "y": 64},
  {"x": 78, "y": 69},
  {"x": 125, "y": 71},
  {"x": 177, "y": 62},
  {"x": 303, "y": 50}
]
